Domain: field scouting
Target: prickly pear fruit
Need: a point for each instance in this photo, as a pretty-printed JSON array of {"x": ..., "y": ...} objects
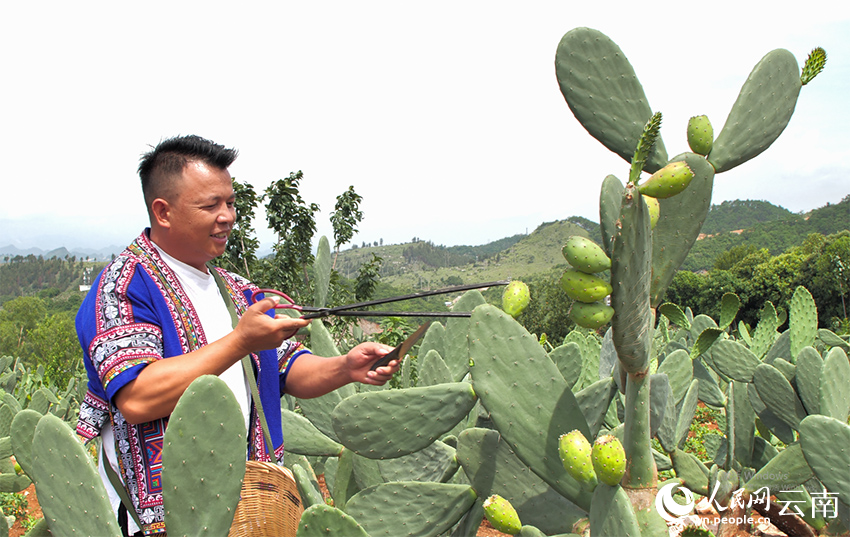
[
  {"x": 609, "y": 459},
  {"x": 668, "y": 181},
  {"x": 814, "y": 65},
  {"x": 593, "y": 315},
  {"x": 575, "y": 454},
  {"x": 696, "y": 531},
  {"x": 700, "y": 135},
  {"x": 515, "y": 298},
  {"x": 654, "y": 210},
  {"x": 584, "y": 287},
  {"x": 585, "y": 255},
  {"x": 502, "y": 515}
]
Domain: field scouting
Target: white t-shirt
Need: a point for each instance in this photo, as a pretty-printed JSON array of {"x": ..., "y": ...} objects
[{"x": 216, "y": 322}]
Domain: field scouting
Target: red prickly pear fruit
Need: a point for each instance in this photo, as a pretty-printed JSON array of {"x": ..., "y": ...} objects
[
  {"x": 594, "y": 315},
  {"x": 609, "y": 459},
  {"x": 700, "y": 135},
  {"x": 575, "y": 453},
  {"x": 668, "y": 181},
  {"x": 584, "y": 287},
  {"x": 515, "y": 298},
  {"x": 585, "y": 255},
  {"x": 502, "y": 515},
  {"x": 654, "y": 210}
]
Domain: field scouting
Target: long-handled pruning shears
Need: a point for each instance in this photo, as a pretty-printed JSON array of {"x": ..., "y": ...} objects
[{"x": 353, "y": 310}]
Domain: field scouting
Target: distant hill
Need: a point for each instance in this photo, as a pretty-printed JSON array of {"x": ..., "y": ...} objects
[
  {"x": 422, "y": 264},
  {"x": 779, "y": 229},
  {"x": 426, "y": 265},
  {"x": 743, "y": 214},
  {"x": 102, "y": 254}
]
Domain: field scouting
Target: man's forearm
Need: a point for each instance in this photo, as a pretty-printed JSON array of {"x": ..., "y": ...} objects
[
  {"x": 312, "y": 376},
  {"x": 155, "y": 392}
]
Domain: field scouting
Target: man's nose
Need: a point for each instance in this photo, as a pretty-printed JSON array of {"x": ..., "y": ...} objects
[{"x": 226, "y": 215}]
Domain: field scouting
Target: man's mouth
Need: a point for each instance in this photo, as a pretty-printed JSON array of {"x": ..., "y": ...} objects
[{"x": 222, "y": 235}]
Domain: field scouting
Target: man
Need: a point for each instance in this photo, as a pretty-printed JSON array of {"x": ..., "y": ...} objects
[{"x": 155, "y": 320}]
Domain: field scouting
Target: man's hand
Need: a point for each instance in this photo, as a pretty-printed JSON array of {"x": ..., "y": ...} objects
[
  {"x": 257, "y": 331},
  {"x": 360, "y": 360},
  {"x": 314, "y": 376}
]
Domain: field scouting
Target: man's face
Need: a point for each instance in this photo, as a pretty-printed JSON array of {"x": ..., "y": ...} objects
[{"x": 201, "y": 214}]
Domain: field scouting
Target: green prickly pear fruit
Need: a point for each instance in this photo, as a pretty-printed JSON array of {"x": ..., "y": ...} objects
[
  {"x": 609, "y": 459},
  {"x": 575, "y": 453},
  {"x": 654, "y": 210},
  {"x": 502, "y": 515},
  {"x": 515, "y": 298},
  {"x": 696, "y": 531},
  {"x": 668, "y": 181},
  {"x": 585, "y": 255},
  {"x": 584, "y": 287},
  {"x": 594, "y": 315},
  {"x": 814, "y": 65},
  {"x": 700, "y": 135}
]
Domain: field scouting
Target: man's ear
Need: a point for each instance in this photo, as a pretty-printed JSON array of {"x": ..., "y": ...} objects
[{"x": 161, "y": 213}]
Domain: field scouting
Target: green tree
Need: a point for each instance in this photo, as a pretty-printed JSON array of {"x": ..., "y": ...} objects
[
  {"x": 345, "y": 218},
  {"x": 53, "y": 344},
  {"x": 241, "y": 252},
  {"x": 293, "y": 221},
  {"x": 367, "y": 278},
  {"x": 18, "y": 318}
]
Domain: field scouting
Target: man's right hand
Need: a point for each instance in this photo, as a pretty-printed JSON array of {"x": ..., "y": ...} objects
[{"x": 258, "y": 331}]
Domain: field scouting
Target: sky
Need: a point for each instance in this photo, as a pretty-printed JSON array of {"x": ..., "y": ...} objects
[{"x": 446, "y": 117}]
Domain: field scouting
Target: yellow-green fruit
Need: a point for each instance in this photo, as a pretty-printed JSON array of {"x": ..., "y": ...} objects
[
  {"x": 654, "y": 210},
  {"x": 584, "y": 287},
  {"x": 585, "y": 255},
  {"x": 609, "y": 459},
  {"x": 594, "y": 315},
  {"x": 502, "y": 515},
  {"x": 515, "y": 298},
  {"x": 700, "y": 135},
  {"x": 575, "y": 455},
  {"x": 668, "y": 181}
]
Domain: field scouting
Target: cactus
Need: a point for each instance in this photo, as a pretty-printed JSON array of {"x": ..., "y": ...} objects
[
  {"x": 65, "y": 480},
  {"x": 502, "y": 515},
  {"x": 203, "y": 458},
  {"x": 584, "y": 287},
  {"x": 700, "y": 135},
  {"x": 575, "y": 452},
  {"x": 594, "y": 315},
  {"x": 669, "y": 181},
  {"x": 321, "y": 520},
  {"x": 609, "y": 460},
  {"x": 515, "y": 298},
  {"x": 585, "y": 255}
]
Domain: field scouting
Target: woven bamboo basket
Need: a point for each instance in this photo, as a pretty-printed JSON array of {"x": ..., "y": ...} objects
[{"x": 270, "y": 504}]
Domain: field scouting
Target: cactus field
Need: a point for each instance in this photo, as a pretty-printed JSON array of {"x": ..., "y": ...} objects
[{"x": 585, "y": 436}]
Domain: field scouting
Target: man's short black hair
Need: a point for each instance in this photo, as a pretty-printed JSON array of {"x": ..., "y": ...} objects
[{"x": 160, "y": 166}]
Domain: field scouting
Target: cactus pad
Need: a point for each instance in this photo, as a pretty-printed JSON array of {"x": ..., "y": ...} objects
[
  {"x": 761, "y": 112},
  {"x": 592, "y": 70},
  {"x": 392, "y": 423},
  {"x": 70, "y": 492},
  {"x": 203, "y": 459}
]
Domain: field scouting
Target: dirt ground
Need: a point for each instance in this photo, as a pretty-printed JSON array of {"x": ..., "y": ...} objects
[{"x": 33, "y": 509}]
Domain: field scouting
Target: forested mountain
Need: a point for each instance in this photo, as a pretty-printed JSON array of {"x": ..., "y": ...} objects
[
  {"x": 776, "y": 235},
  {"x": 743, "y": 214}
]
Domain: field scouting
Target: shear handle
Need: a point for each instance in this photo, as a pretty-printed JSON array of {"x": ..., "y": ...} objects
[{"x": 281, "y": 306}]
